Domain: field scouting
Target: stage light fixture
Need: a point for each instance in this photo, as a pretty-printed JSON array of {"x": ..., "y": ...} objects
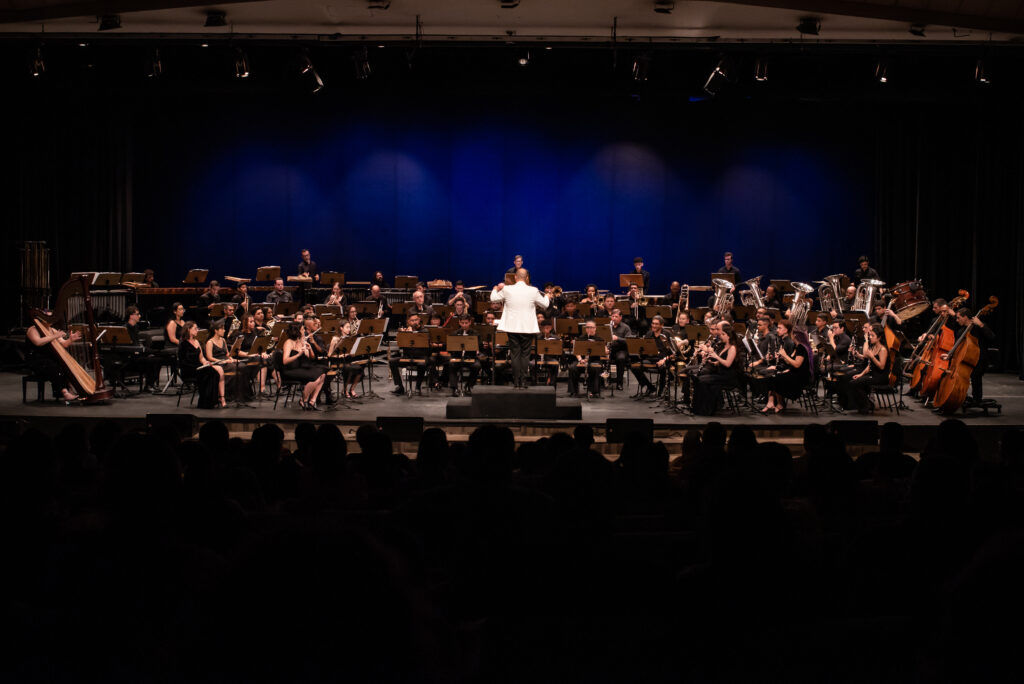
[
  {"x": 809, "y": 26},
  {"x": 361, "y": 63},
  {"x": 308, "y": 68},
  {"x": 980, "y": 74},
  {"x": 109, "y": 22},
  {"x": 38, "y": 65},
  {"x": 156, "y": 67},
  {"x": 917, "y": 30},
  {"x": 524, "y": 58},
  {"x": 215, "y": 18},
  {"x": 664, "y": 6},
  {"x": 882, "y": 71},
  {"x": 241, "y": 64},
  {"x": 761, "y": 69},
  {"x": 318, "y": 83},
  {"x": 641, "y": 65},
  {"x": 717, "y": 79}
]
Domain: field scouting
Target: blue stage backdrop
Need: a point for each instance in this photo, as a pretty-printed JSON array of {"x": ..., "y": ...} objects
[{"x": 452, "y": 192}]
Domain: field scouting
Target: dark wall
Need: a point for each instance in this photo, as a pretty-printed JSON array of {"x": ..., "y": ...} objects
[{"x": 438, "y": 172}]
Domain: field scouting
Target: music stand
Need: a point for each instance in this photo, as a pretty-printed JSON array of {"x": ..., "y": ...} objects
[
  {"x": 327, "y": 309},
  {"x": 602, "y": 320},
  {"x": 368, "y": 346},
  {"x": 589, "y": 350},
  {"x": 260, "y": 344},
  {"x": 697, "y": 333},
  {"x": 406, "y": 282},
  {"x": 482, "y": 306},
  {"x": 443, "y": 310},
  {"x": 659, "y": 310},
  {"x": 782, "y": 286},
  {"x": 400, "y": 308},
  {"x": 550, "y": 348},
  {"x": 278, "y": 329},
  {"x": 113, "y": 334},
  {"x": 731, "y": 277},
  {"x": 285, "y": 309},
  {"x": 196, "y": 276},
  {"x": 329, "y": 278},
  {"x": 372, "y": 326},
  {"x": 743, "y": 313},
  {"x": 698, "y": 313},
  {"x": 485, "y": 332},
  {"x": 216, "y": 310},
  {"x": 456, "y": 344},
  {"x": 369, "y": 308},
  {"x": 133, "y": 278},
  {"x": 642, "y": 346},
  {"x": 268, "y": 273},
  {"x": 330, "y": 326},
  {"x": 604, "y": 332},
  {"x": 584, "y": 308},
  {"x": 90, "y": 276},
  {"x": 628, "y": 279},
  {"x": 854, "y": 321},
  {"x": 567, "y": 326},
  {"x": 436, "y": 334},
  {"x": 237, "y": 280}
]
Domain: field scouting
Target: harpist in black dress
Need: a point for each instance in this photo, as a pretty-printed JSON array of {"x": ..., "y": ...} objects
[{"x": 793, "y": 368}]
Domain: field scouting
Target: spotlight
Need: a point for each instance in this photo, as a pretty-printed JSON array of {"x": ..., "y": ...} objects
[
  {"x": 664, "y": 6},
  {"x": 156, "y": 67},
  {"x": 109, "y": 22},
  {"x": 980, "y": 74},
  {"x": 361, "y": 62},
  {"x": 809, "y": 26},
  {"x": 641, "y": 65},
  {"x": 917, "y": 30},
  {"x": 882, "y": 71},
  {"x": 241, "y": 64},
  {"x": 38, "y": 65},
  {"x": 204, "y": 45},
  {"x": 308, "y": 68},
  {"x": 524, "y": 58},
  {"x": 761, "y": 69},
  {"x": 717, "y": 79}
]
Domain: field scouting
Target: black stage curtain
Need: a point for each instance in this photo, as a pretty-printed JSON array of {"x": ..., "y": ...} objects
[
  {"x": 69, "y": 168},
  {"x": 950, "y": 208}
]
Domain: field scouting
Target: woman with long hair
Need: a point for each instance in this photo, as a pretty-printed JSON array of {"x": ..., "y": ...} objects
[
  {"x": 298, "y": 363},
  {"x": 793, "y": 367},
  {"x": 720, "y": 371},
  {"x": 876, "y": 372},
  {"x": 195, "y": 367}
]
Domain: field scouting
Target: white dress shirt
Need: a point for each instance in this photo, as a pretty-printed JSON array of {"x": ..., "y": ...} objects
[{"x": 520, "y": 313}]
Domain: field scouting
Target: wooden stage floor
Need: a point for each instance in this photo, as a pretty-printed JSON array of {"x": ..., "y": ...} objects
[{"x": 1007, "y": 389}]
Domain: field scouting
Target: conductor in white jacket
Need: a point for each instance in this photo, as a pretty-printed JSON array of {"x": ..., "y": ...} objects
[{"x": 519, "y": 320}]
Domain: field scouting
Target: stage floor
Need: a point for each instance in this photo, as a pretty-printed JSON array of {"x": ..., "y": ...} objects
[{"x": 1004, "y": 388}]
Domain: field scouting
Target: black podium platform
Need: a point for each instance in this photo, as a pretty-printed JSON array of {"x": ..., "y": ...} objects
[{"x": 497, "y": 401}]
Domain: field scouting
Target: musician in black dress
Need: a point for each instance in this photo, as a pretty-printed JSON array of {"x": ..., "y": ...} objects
[
  {"x": 217, "y": 354},
  {"x": 985, "y": 337},
  {"x": 194, "y": 367},
  {"x": 876, "y": 372},
  {"x": 720, "y": 370},
  {"x": 589, "y": 364},
  {"x": 792, "y": 367},
  {"x": 465, "y": 359},
  {"x": 351, "y": 370},
  {"x": 175, "y": 325},
  {"x": 663, "y": 352},
  {"x": 41, "y": 359},
  {"x": 254, "y": 363},
  {"x": 299, "y": 364},
  {"x": 618, "y": 350}
]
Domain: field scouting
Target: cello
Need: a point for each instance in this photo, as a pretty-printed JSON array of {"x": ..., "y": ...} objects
[
  {"x": 963, "y": 359},
  {"x": 892, "y": 345},
  {"x": 925, "y": 356}
]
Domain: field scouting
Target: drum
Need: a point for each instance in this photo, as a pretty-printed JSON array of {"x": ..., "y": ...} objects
[{"x": 909, "y": 299}]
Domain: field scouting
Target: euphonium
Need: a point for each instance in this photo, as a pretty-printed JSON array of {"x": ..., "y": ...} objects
[
  {"x": 801, "y": 306},
  {"x": 867, "y": 292},
  {"x": 753, "y": 296},
  {"x": 723, "y": 296},
  {"x": 829, "y": 296}
]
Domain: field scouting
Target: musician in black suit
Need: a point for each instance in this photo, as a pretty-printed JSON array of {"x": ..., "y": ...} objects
[
  {"x": 730, "y": 267},
  {"x": 417, "y": 353},
  {"x": 985, "y": 338},
  {"x": 662, "y": 353},
  {"x": 307, "y": 267},
  {"x": 638, "y": 267},
  {"x": 865, "y": 272},
  {"x": 278, "y": 294},
  {"x": 589, "y": 364},
  {"x": 618, "y": 350},
  {"x": 464, "y": 359},
  {"x": 211, "y": 296}
]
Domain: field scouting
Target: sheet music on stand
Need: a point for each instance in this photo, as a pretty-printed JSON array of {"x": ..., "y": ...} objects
[
  {"x": 567, "y": 326},
  {"x": 628, "y": 279},
  {"x": 264, "y": 273},
  {"x": 368, "y": 346}
]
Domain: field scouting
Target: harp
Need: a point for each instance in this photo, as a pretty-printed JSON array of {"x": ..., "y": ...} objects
[{"x": 73, "y": 311}]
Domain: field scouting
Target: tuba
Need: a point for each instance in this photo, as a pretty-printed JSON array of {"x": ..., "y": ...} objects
[
  {"x": 723, "y": 296},
  {"x": 829, "y": 298},
  {"x": 867, "y": 292},
  {"x": 753, "y": 296},
  {"x": 801, "y": 305}
]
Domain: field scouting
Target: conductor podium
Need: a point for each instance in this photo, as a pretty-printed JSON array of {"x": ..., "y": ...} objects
[{"x": 499, "y": 401}]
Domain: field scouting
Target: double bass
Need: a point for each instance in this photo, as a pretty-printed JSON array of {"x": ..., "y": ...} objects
[
  {"x": 963, "y": 359},
  {"x": 927, "y": 353},
  {"x": 892, "y": 344}
]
